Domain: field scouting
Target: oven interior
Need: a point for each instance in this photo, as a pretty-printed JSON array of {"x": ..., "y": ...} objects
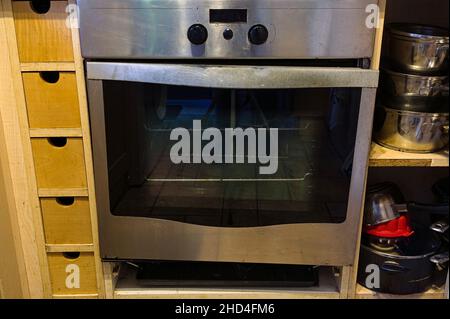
[{"x": 316, "y": 137}]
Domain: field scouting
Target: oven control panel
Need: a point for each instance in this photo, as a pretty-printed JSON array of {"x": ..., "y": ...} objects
[
  {"x": 198, "y": 34},
  {"x": 218, "y": 29}
]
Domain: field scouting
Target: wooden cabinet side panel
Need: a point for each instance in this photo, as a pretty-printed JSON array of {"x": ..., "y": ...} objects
[
  {"x": 13, "y": 282},
  {"x": 18, "y": 152}
]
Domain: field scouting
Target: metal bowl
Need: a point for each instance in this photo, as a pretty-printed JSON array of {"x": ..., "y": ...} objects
[
  {"x": 380, "y": 204},
  {"x": 414, "y": 132},
  {"x": 415, "y": 93},
  {"x": 418, "y": 49}
]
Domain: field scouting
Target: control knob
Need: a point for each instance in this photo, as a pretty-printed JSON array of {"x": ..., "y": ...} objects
[
  {"x": 197, "y": 34},
  {"x": 258, "y": 34}
]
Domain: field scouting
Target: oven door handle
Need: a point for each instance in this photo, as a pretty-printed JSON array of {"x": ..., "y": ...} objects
[{"x": 233, "y": 77}]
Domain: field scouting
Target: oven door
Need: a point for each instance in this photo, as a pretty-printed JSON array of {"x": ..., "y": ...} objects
[{"x": 261, "y": 164}]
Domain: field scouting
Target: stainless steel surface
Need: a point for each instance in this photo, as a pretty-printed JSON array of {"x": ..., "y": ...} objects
[
  {"x": 157, "y": 29},
  {"x": 233, "y": 77},
  {"x": 418, "y": 49},
  {"x": 146, "y": 238},
  {"x": 411, "y": 131},
  {"x": 379, "y": 209},
  {"x": 440, "y": 227},
  {"x": 414, "y": 92}
]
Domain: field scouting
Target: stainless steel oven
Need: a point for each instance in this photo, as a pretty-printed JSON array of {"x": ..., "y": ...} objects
[{"x": 232, "y": 131}]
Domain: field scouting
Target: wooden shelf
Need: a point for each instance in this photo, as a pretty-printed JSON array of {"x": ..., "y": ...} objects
[
  {"x": 364, "y": 293},
  {"x": 384, "y": 157},
  {"x": 127, "y": 287}
]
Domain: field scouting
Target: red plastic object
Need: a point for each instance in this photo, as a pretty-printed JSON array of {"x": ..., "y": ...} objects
[{"x": 396, "y": 228}]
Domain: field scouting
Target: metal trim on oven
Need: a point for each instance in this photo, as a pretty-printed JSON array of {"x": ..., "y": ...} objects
[
  {"x": 145, "y": 238},
  {"x": 265, "y": 4},
  {"x": 233, "y": 77}
]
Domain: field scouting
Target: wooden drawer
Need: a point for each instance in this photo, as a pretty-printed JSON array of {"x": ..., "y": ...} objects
[
  {"x": 72, "y": 273},
  {"x": 52, "y": 99},
  {"x": 42, "y": 36},
  {"x": 59, "y": 162},
  {"x": 67, "y": 220}
]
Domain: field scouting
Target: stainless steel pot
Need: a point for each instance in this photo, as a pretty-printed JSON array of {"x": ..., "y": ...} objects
[
  {"x": 380, "y": 204},
  {"x": 380, "y": 208},
  {"x": 414, "y": 92},
  {"x": 417, "y": 48},
  {"x": 414, "y": 132}
]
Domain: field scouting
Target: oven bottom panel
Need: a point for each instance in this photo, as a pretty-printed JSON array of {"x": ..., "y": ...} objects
[{"x": 134, "y": 238}]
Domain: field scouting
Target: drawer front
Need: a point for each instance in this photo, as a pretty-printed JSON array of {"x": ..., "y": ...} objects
[
  {"x": 66, "y": 220},
  {"x": 72, "y": 273},
  {"x": 59, "y": 162},
  {"x": 42, "y": 34},
  {"x": 52, "y": 100}
]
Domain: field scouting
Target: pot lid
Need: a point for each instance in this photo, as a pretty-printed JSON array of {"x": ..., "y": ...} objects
[
  {"x": 382, "y": 107},
  {"x": 417, "y": 31},
  {"x": 388, "y": 68},
  {"x": 437, "y": 105}
]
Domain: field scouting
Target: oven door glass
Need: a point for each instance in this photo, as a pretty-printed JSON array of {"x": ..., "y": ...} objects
[{"x": 229, "y": 158}]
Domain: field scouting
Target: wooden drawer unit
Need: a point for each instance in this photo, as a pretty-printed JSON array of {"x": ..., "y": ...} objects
[
  {"x": 72, "y": 273},
  {"x": 42, "y": 34},
  {"x": 67, "y": 220},
  {"x": 52, "y": 99},
  {"x": 59, "y": 162}
]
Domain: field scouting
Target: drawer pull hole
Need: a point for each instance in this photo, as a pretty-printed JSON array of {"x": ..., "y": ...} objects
[
  {"x": 71, "y": 255},
  {"x": 58, "y": 141},
  {"x": 65, "y": 201},
  {"x": 50, "y": 76},
  {"x": 40, "y": 6}
]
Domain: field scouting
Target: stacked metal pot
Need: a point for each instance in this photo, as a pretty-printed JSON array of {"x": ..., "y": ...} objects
[
  {"x": 404, "y": 247},
  {"x": 412, "y": 113}
]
